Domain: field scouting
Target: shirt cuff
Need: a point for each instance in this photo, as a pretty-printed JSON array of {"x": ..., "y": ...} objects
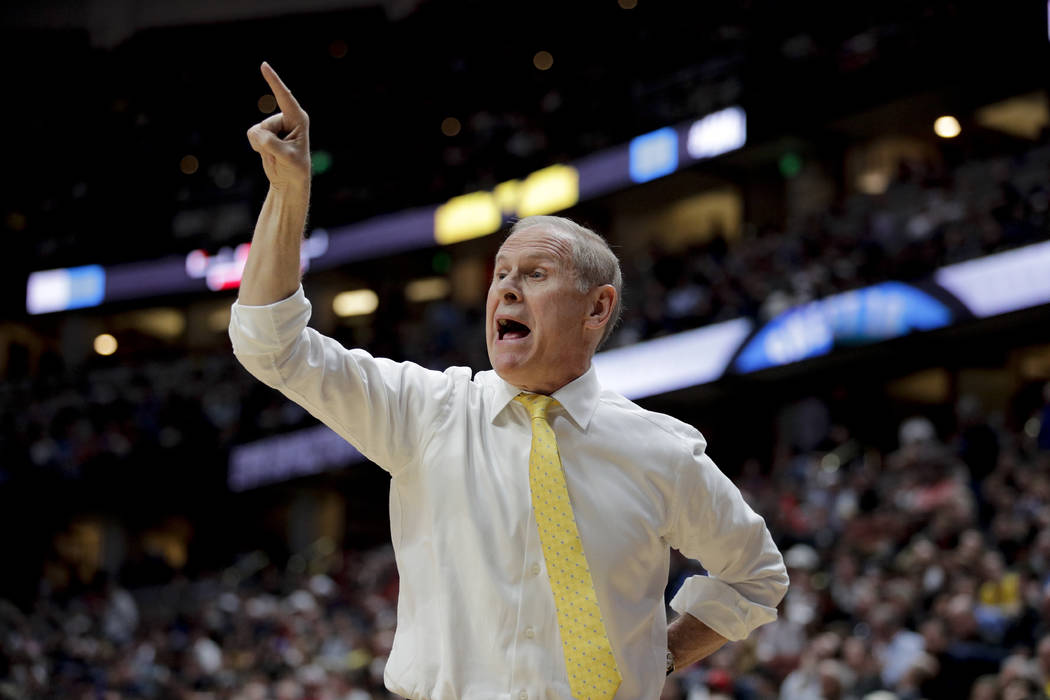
[
  {"x": 719, "y": 606},
  {"x": 261, "y": 330}
]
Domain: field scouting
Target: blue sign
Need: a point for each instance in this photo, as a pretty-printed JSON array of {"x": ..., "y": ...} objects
[
  {"x": 868, "y": 315},
  {"x": 654, "y": 154},
  {"x": 87, "y": 286}
]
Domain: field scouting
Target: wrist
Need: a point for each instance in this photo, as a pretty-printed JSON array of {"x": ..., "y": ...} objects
[{"x": 295, "y": 189}]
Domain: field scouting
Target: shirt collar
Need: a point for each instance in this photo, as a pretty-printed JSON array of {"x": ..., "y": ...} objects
[{"x": 579, "y": 397}]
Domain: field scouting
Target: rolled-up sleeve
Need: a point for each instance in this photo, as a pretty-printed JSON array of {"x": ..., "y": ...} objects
[
  {"x": 712, "y": 523},
  {"x": 384, "y": 408}
]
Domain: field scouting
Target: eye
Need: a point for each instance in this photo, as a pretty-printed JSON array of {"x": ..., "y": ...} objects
[
  {"x": 536, "y": 274},
  {"x": 500, "y": 275}
]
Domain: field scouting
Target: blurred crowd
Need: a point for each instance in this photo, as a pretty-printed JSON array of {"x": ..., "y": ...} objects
[
  {"x": 918, "y": 570},
  {"x": 184, "y": 410},
  {"x": 251, "y": 632}
]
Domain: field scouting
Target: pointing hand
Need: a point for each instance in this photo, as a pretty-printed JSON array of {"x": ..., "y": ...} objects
[{"x": 283, "y": 139}]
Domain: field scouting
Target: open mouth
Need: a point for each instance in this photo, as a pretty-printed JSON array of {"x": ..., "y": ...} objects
[{"x": 509, "y": 329}]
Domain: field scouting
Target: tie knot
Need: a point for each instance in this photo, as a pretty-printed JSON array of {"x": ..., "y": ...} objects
[{"x": 536, "y": 404}]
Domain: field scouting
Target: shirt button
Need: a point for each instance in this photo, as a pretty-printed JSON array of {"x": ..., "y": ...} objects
[
  {"x": 529, "y": 632},
  {"x": 535, "y": 569},
  {"x": 523, "y": 695}
]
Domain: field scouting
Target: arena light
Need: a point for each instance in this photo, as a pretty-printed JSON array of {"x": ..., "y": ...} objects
[
  {"x": 507, "y": 195},
  {"x": 549, "y": 190},
  {"x": 427, "y": 289},
  {"x": 267, "y": 104},
  {"x": 467, "y": 216},
  {"x": 320, "y": 162},
  {"x": 65, "y": 288},
  {"x": 653, "y": 155},
  {"x": 450, "y": 126},
  {"x": 359, "y": 302},
  {"x": 543, "y": 60},
  {"x": 105, "y": 344},
  {"x": 717, "y": 133},
  {"x": 1000, "y": 283},
  {"x": 673, "y": 362},
  {"x": 947, "y": 127},
  {"x": 189, "y": 164}
]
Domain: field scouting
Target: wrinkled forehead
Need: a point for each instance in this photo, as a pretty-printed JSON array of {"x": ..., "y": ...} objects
[{"x": 536, "y": 241}]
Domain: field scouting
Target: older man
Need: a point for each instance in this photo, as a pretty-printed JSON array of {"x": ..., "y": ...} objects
[{"x": 532, "y": 513}]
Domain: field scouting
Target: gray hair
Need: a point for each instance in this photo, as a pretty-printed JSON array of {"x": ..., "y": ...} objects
[{"x": 594, "y": 263}]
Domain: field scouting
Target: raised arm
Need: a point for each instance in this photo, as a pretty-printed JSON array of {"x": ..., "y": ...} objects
[{"x": 282, "y": 140}]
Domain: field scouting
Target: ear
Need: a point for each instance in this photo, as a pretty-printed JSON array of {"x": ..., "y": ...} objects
[{"x": 602, "y": 301}]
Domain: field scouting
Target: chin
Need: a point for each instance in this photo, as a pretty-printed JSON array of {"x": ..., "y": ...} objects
[{"x": 510, "y": 371}]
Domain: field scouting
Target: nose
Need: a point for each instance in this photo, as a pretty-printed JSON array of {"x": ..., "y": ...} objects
[{"x": 507, "y": 290}]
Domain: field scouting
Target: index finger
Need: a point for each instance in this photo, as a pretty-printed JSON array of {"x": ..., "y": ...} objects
[{"x": 285, "y": 100}]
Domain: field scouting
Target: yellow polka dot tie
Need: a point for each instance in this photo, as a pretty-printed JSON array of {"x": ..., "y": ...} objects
[{"x": 593, "y": 674}]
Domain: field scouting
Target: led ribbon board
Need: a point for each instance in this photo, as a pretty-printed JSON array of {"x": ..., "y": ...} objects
[
  {"x": 287, "y": 456},
  {"x": 863, "y": 316},
  {"x": 546, "y": 191}
]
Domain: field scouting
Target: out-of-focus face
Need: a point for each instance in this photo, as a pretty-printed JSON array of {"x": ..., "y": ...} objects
[{"x": 536, "y": 320}]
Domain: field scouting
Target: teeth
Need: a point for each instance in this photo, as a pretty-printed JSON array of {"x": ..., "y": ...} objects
[{"x": 502, "y": 322}]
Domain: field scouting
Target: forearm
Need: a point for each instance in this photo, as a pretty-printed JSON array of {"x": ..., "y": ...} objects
[
  {"x": 272, "y": 271},
  {"x": 690, "y": 640}
]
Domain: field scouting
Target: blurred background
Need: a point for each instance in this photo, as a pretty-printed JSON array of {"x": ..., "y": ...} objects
[{"x": 833, "y": 220}]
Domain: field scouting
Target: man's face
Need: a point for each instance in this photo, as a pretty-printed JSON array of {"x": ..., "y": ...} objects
[{"x": 535, "y": 315}]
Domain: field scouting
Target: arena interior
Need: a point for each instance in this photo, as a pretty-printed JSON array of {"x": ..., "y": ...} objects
[{"x": 834, "y": 226}]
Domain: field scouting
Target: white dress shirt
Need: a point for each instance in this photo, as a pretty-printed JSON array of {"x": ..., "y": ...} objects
[{"x": 476, "y": 618}]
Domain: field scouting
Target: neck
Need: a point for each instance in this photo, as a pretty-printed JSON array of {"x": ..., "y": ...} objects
[{"x": 548, "y": 387}]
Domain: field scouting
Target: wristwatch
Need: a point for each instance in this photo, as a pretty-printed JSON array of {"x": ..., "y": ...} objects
[{"x": 670, "y": 662}]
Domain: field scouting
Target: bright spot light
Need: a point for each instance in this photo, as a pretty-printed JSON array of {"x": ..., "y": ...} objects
[
  {"x": 947, "y": 127},
  {"x": 320, "y": 161},
  {"x": 267, "y": 104},
  {"x": 189, "y": 164},
  {"x": 543, "y": 60},
  {"x": 627, "y": 4},
  {"x": 1031, "y": 427},
  {"x": 790, "y": 164},
  {"x": 450, "y": 126},
  {"x": 873, "y": 182},
  {"x": 105, "y": 344},
  {"x": 356, "y": 303},
  {"x": 427, "y": 289}
]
